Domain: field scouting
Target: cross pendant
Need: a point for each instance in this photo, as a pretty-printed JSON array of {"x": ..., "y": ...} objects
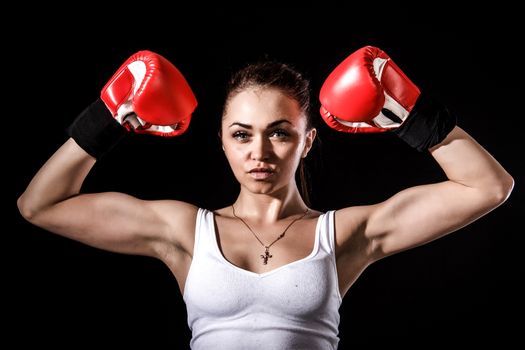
[{"x": 266, "y": 256}]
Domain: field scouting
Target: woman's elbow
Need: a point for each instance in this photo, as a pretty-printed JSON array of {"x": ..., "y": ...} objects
[
  {"x": 502, "y": 189},
  {"x": 26, "y": 208}
]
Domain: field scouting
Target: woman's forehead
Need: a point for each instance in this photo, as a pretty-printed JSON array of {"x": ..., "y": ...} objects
[{"x": 257, "y": 102}]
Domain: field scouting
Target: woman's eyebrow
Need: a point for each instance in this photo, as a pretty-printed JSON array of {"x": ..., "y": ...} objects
[
  {"x": 277, "y": 122},
  {"x": 272, "y": 124}
]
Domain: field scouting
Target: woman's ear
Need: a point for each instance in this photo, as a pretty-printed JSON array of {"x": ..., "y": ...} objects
[
  {"x": 310, "y": 137},
  {"x": 219, "y": 135}
]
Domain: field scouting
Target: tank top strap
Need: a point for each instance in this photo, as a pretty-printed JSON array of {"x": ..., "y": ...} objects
[
  {"x": 204, "y": 230},
  {"x": 326, "y": 229}
]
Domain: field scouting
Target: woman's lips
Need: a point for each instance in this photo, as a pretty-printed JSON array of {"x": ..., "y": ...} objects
[{"x": 261, "y": 173}]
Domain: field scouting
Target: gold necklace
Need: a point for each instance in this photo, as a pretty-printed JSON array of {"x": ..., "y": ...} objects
[{"x": 267, "y": 254}]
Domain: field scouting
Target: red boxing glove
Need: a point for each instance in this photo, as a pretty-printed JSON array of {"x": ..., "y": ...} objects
[
  {"x": 367, "y": 92},
  {"x": 149, "y": 95}
]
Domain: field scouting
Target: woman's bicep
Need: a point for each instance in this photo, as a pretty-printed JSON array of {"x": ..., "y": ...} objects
[
  {"x": 422, "y": 214},
  {"x": 410, "y": 218},
  {"x": 110, "y": 221}
]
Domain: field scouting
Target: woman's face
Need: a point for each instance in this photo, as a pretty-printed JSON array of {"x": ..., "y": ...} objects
[{"x": 264, "y": 137}]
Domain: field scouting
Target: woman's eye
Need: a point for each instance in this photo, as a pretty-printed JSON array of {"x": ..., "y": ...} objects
[
  {"x": 240, "y": 135},
  {"x": 279, "y": 133}
]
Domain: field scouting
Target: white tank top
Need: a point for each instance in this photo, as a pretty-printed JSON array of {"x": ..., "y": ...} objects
[{"x": 295, "y": 306}]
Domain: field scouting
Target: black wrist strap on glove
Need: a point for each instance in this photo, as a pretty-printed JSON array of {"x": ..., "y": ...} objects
[
  {"x": 428, "y": 124},
  {"x": 95, "y": 129}
]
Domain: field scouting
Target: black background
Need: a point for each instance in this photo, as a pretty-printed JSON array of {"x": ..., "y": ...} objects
[{"x": 463, "y": 288}]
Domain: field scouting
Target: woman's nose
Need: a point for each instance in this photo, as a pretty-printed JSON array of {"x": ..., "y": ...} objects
[{"x": 260, "y": 149}]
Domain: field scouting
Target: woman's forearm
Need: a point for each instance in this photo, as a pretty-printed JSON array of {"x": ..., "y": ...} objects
[
  {"x": 467, "y": 163},
  {"x": 58, "y": 179}
]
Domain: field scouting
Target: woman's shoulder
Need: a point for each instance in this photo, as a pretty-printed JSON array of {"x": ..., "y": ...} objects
[{"x": 174, "y": 211}]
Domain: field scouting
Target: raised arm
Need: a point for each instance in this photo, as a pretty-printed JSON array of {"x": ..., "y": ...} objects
[
  {"x": 369, "y": 93},
  {"x": 146, "y": 95},
  {"x": 476, "y": 184}
]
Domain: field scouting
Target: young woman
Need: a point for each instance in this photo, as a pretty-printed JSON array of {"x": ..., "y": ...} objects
[{"x": 266, "y": 270}]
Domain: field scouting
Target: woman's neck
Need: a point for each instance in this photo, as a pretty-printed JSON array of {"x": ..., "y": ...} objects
[{"x": 268, "y": 208}]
